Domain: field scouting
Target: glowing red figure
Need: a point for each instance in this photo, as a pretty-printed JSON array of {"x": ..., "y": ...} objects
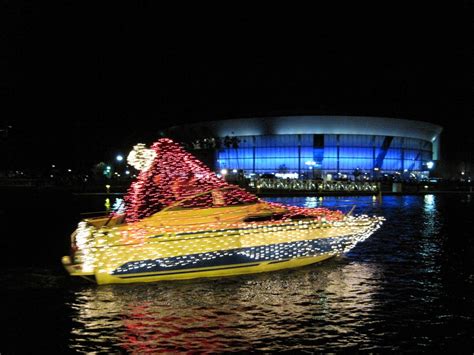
[{"x": 175, "y": 175}]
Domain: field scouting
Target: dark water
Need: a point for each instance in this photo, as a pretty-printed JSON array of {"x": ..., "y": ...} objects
[{"x": 409, "y": 287}]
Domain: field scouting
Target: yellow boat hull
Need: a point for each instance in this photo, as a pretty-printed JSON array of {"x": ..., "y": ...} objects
[{"x": 234, "y": 270}]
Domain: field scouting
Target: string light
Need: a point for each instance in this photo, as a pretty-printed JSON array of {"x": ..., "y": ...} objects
[
  {"x": 173, "y": 175},
  {"x": 203, "y": 222},
  {"x": 140, "y": 157}
]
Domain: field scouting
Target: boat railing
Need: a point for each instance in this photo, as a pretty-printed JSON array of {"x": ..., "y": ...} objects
[{"x": 348, "y": 214}]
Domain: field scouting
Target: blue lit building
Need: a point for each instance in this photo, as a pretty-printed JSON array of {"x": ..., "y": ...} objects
[{"x": 323, "y": 144}]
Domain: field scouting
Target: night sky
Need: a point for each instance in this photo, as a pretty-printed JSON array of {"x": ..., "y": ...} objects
[{"x": 80, "y": 83}]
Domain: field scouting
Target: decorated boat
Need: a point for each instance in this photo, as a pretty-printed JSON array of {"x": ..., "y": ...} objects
[{"x": 182, "y": 221}]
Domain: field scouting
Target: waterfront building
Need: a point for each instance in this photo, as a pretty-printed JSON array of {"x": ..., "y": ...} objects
[{"x": 317, "y": 146}]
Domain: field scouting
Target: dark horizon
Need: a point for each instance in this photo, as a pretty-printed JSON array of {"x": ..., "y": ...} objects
[{"x": 80, "y": 84}]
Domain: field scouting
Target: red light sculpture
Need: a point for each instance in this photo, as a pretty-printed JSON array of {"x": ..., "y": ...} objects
[{"x": 176, "y": 174}]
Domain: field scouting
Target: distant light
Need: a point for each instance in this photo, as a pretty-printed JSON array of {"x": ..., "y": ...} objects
[
  {"x": 119, "y": 157},
  {"x": 287, "y": 175},
  {"x": 234, "y": 170},
  {"x": 53, "y": 166},
  {"x": 127, "y": 172},
  {"x": 69, "y": 170},
  {"x": 405, "y": 170},
  {"x": 108, "y": 167},
  {"x": 310, "y": 162},
  {"x": 426, "y": 186},
  {"x": 430, "y": 165},
  {"x": 107, "y": 186},
  {"x": 376, "y": 169},
  {"x": 51, "y": 175},
  {"x": 462, "y": 172},
  {"x": 224, "y": 172}
]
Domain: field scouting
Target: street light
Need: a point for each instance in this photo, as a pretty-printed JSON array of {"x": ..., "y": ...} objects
[{"x": 119, "y": 157}]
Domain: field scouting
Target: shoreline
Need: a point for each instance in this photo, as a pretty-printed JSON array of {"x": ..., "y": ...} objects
[
  {"x": 122, "y": 190},
  {"x": 305, "y": 193}
]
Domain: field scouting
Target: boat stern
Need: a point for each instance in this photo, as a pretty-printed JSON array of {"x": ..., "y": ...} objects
[
  {"x": 82, "y": 259},
  {"x": 74, "y": 269}
]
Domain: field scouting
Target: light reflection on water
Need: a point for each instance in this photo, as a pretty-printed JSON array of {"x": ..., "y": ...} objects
[
  {"x": 387, "y": 293},
  {"x": 430, "y": 231},
  {"x": 409, "y": 287},
  {"x": 261, "y": 312}
]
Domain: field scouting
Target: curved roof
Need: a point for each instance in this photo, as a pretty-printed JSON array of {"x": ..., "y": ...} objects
[{"x": 322, "y": 125}]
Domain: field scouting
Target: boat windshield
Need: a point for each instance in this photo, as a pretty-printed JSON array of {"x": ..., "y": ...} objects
[{"x": 227, "y": 196}]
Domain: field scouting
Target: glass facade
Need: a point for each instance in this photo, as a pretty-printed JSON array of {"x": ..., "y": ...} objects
[{"x": 326, "y": 153}]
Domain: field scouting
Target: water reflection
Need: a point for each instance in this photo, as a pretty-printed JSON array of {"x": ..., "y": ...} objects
[
  {"x": 311, "y": 201},
  {"x": 408, "y": 287},
  {"x": 432, "y": 244},
  {"x": 239, "y": 313},
  {"x": 119, "y": 205},
  {"x": 107, "y": 204},
  {"x": 431, "y": 221},
  {"x": 429, "y": 203}
]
